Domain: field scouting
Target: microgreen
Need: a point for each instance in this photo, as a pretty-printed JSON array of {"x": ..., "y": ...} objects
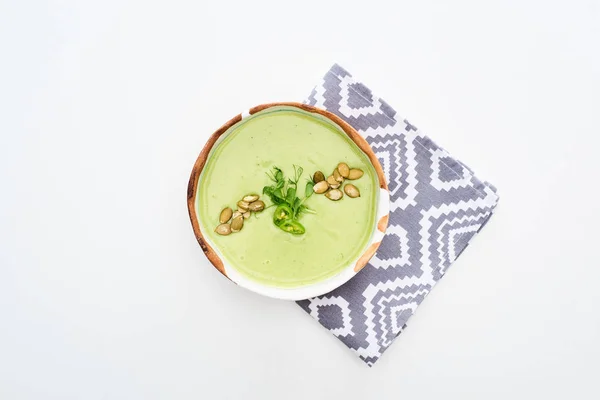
[{"x": 284, "y": 194}]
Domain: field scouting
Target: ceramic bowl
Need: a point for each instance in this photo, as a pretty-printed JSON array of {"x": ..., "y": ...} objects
[{"x": 303, "y": 292}]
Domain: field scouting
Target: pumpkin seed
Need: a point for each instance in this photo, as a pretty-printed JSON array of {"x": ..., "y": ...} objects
[
  {"x": 318, "y": 177},
  {"x": 246, "y": 215},
  {"x": 351, "y": 190},
  {"x": 242, "y": 205},
  {"x": 236, "y": 214},
  {"x": 331, "y": 180},
  {"x": 223, "y": 229},
  {"x": 344, "y": 169},
  {"x": 225, "y": 215},
  {"x": 355, "y": 173},
  {"x": 258, "y": 205},
  {"x": 334, "y": 194},
  {"x": 321, "y": 187},
  {"x": 237, "y": 224},
  {"x": 337, "y": 176},
  {"x": 250, "y": 198}
]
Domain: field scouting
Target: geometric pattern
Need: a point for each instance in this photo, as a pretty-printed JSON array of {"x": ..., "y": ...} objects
[{"x": 437, "y": 205}]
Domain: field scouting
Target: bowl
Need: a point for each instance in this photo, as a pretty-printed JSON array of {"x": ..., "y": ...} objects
[{"x": 233, "y": 271}]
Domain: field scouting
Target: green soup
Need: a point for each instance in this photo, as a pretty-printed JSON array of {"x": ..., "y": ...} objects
[{"x": 237, "y": 165}]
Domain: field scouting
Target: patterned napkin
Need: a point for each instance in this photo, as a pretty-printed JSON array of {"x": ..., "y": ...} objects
[{"x": 437, "y": 207}]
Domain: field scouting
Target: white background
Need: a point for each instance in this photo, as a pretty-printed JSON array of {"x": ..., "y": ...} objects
[{"x": 104, "y": 106}]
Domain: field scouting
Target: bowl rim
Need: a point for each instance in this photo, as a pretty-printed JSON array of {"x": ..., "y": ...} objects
[{"x": 318, "y": 288}]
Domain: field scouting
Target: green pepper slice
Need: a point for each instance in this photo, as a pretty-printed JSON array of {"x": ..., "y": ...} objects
[
  {"x": 293, "y": 227},
  {"x": 282, "y": 214}
]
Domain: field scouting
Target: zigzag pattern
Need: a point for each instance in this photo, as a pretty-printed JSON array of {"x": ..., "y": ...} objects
[{"x": 437, "y": 206}]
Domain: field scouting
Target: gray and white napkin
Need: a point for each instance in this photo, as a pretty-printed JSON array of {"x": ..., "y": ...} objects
[{"x": 437, "y": 207}]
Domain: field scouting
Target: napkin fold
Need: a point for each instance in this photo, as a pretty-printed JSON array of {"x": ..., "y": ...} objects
[{"x": 437, "y": 207}]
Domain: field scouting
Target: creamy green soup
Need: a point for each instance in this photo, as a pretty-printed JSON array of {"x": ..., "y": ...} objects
[{"x": 336, "y": 235}]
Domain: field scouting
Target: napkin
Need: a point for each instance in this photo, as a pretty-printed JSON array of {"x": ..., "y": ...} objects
[{"x": 437, "y": 206}]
